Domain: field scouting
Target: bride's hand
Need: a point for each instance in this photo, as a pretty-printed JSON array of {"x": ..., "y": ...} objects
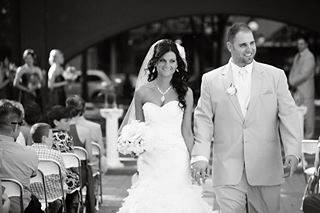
[
  {"x": 200, "y": 170},
  {"x": 134, "y": 155}
]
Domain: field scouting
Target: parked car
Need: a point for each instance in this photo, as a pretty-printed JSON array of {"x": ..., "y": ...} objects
[{"x": 98, "y": 83}]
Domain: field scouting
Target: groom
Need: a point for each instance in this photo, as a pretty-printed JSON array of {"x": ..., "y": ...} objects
[{"x": 245, "y": 107}]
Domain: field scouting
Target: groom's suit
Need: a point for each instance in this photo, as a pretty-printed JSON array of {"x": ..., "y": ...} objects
[{"x": 247, "y": 144}]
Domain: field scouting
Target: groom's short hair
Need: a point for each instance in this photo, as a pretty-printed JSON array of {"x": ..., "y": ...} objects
[{"x": 235, "y": 28}]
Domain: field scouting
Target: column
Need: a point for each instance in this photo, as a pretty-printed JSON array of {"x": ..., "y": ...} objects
[{"x": 112, "y": 116}]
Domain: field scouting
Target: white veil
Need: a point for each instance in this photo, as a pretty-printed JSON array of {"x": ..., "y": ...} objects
[{"x": 143, "y": 79}]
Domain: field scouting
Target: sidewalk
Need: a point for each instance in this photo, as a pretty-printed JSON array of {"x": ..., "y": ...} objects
[{"x": 115, "y": 187}]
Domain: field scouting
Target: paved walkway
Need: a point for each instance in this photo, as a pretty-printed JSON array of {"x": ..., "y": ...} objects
[{"x": 115, "y": 187}]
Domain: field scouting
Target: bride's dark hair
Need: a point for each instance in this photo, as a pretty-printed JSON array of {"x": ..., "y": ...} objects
[{"x": 180, "y": 76}]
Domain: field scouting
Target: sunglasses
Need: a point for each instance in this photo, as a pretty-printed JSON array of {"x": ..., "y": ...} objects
[{"x": 19, "y": 123}]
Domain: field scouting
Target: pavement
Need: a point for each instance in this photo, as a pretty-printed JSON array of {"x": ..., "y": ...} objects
[{"x": 117, "y": 181}]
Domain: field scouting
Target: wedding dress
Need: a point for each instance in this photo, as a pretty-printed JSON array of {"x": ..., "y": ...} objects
[{"x": 164, "y": 183}]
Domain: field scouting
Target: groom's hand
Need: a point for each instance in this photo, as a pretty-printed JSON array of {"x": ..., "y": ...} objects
[
  {"x": 200, "y": 170},
  {"x": 292, "y": 162}
]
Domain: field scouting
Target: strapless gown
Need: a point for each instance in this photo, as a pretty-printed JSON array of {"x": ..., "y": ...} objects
[{"x": 164, "y": 184}]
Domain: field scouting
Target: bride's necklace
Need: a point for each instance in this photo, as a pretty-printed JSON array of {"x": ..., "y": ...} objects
[{"x": 163, "y": 93}]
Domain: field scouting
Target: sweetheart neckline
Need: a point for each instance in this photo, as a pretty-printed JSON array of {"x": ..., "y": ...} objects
[{"x": 158, "y": 105}]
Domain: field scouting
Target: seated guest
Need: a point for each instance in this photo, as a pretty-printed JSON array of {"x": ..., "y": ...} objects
[
  {"x": 94, "y": 128},
  {"x": 42, "y": 137},
  {"x": 59, "y": 118},
  {"x": 87, "y": 131},
  {"x": 80, "y": 136},
  {"x": 18, "y": 162}
]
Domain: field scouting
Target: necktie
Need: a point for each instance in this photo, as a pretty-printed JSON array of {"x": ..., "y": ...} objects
[
  {"x": 298, "y": 57},
  {"x": 243, "y": 74}
]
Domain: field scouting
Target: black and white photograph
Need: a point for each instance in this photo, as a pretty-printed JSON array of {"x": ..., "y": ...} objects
[{"x": 171, "y": 106}]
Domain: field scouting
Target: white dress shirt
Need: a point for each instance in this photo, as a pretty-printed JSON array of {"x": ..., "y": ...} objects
[{"x": 242, "y": 81}]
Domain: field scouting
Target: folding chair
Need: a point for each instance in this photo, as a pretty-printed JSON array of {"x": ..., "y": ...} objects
[
  {"x": 83, "y": 156},
  {"x": 96, "y": 151},
  {"x": 72, "y": 161},
  {"x": 81, "y": 153},
  {"x": 13, "y": 189},
  {"x": 39, "y": 178},
  {"x": 309, "y": 147},
  {"x": 52, "y": 167}
]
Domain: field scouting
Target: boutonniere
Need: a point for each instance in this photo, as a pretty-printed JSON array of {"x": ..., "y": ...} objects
[{"x": 232, "y": 90}]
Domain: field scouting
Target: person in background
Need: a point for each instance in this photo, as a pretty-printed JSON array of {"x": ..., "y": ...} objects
[
  {"x": 56, "y": 81},
  {"x": 7, "y": 74},
  {"x": 29, "y": 79},
  {"x": 42, "y": 137},
  {"x": 301, "y": 78}
]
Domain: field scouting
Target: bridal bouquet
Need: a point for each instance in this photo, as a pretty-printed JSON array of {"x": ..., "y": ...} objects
[
  {"x": 132, "y": 138},
  {"x": 71, "y": 74}
]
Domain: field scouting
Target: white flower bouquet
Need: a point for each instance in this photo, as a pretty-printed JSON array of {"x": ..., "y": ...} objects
[
  {"x": 132, "y": 138},
  {"x": 71, "y": 74}
]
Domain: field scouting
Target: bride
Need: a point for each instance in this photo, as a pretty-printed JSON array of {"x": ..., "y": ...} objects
[{"x": 164, "y": 102}]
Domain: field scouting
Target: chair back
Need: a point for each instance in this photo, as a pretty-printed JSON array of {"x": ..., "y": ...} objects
[
  {"x": 39, "y": 178},
  {"x": 49, "y": 167},
  {"x": 308, "y": 147},
  {"x": 71, "y": 160},
  {"x": 52, "y": 167},
  {"x": 96, "y": 149},
  {"x": 13, "y": 188},
  {"x": 81, "y": 153}
]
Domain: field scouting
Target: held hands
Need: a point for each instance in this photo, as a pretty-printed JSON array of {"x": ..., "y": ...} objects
[
  {"x": 291, "y": 162},
  {"x": 200, "y": 171}
]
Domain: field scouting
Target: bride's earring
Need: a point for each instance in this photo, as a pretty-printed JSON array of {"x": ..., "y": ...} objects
[{"x": 177, "y": 70}]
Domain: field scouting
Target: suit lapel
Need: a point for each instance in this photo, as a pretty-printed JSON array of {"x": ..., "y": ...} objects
[
  {"x": 256, "y": 82},
  {"x": 227, "y": 82}
]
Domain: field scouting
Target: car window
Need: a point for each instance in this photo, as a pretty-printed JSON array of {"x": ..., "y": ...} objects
[{"x": 93, "y": 78}]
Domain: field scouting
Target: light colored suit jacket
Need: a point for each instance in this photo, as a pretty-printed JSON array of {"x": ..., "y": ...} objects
[
  {"x": 252, "y": 142},
  {"x": 95, "y": 131}
]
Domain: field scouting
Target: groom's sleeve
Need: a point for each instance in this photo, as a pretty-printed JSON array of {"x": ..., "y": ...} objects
[
  {"x": 290, "y": 126},
  {"x": 203, "y": 122}
]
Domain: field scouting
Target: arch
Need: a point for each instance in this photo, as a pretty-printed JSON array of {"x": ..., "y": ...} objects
[{"x": 74, "y": 25}]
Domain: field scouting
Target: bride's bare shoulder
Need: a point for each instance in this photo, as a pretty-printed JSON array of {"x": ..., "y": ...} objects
[{"x": 145, "y": 89}]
